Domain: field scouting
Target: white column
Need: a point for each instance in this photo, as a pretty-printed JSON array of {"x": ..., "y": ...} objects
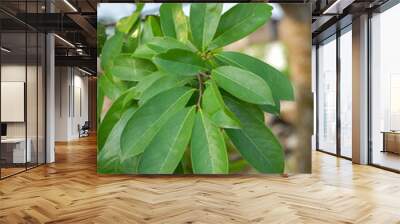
[
  {"x": 360, "y": 90},
  {"x": 314, "y": 93},
  {"x": 50, "y": 94}
]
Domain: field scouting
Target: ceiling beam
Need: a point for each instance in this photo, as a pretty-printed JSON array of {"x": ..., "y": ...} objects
[
  {"x": 337, "y": 7},
  {"x": 79, "y": 61},
  {"x": 89, "y": 30},
  {"x": 83, "y": 23}
]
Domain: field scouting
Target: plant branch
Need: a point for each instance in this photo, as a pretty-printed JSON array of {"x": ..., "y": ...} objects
[
  {"x": 200, "y": 90},
  {"x": 204, "y": 74}
]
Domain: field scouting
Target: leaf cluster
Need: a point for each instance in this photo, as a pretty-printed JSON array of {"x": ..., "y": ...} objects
[{"x": 179, "y": 102}]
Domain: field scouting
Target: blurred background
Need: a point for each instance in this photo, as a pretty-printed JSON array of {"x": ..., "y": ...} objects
[{"x": 284, "y": 42}]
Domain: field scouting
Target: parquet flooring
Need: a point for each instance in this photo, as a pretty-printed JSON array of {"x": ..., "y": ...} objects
[
  {"x": 11, "y": 170},
  {"x": 70, "y": 191}
]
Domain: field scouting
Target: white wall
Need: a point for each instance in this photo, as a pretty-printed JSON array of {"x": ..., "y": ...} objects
[
  {"x": 16, "y": 73},
  {"x": 13, "y": 100},
  {"x": 70, "y": 83},
  {"x": 62, "y": 81},
  {"x": 80, "y": 104},
  {"x": 12, "y": 73},
  {"x": 33, "y": 126},
  {"x": 314, "y": 91}
]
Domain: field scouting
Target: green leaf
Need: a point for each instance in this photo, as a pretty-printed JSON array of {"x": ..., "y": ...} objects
[
  {"x": 149, "y": 118},
  {"x": 125, "y": 24},
  {"x": 130, "y": 99},
  {"x": 209, "y": 155},
  {"x": 132, "y": 39},
  {"x": 100, "y": 102},
  {"x": 162, "y": 84},
  {"x": 131, "y": 69},
  {"x": 109, "y": 87},
  {"x": 108, "y": 159},
  {"x": 130, "y": 45},
  {"x": 255, "y": 142},
  {"x": 112, "y": 116},
  {"x": 238, "y": 166},
  {"x": 180, "y": 62},
  {"x": 158, "y": 45},
  {"x": 204, "y": 19},
  {"x": 166, "y": 150},
  {"x": 187, "y": 162},
  {"x": 279, "y": 83},
  {"x": 272, "y": 109},
  {"x": 111, "y": 49},
  {"x": 115, "y": 166},
  {"x": 130, "y": 165},
  {"x": 173, "y": 21},
  {"x": 139, "y": 6},
  {"x": 101, "y": 37},
  {"x": 243, "y": 84},
  {"x": 179, "y": 169},
  {"x": 151, "y": 28},
  {"x": 240, "y": 21},
  {"x": 214, "y": 106},
  {"x": 147, "y": 81}
]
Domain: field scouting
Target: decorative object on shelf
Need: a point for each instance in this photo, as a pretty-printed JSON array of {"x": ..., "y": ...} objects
[{"x": 391, "y": 141}]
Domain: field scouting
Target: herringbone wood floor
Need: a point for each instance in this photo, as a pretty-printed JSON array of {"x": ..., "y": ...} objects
[{"x": 70, "y": 191}]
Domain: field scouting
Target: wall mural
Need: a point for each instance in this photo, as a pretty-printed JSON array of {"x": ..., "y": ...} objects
[{"x": 185, "y": 89}]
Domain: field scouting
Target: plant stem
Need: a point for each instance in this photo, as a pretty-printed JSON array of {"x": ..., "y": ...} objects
[
  {"x": 203, "y": 74},
  {"x": 200, "y": 90}
]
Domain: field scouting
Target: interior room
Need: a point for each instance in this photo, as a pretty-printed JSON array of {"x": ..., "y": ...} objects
[
  {"x": 385, "y": 88},
  {"x": 33, "y": 98},
  {"x": 380, "y": 87},
  {"x": 333, "y": 61},
  {"x": 22, "y": 99},
  {"x": 72, "y": 108}
]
